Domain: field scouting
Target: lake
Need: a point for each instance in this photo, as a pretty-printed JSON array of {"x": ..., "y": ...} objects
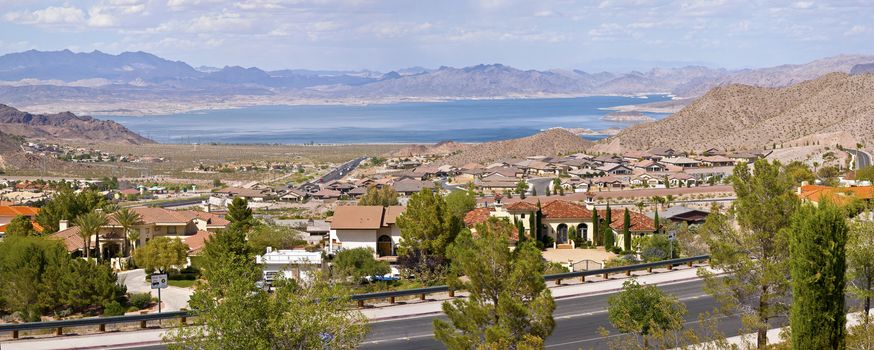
[{"x": 420, "y": 122}]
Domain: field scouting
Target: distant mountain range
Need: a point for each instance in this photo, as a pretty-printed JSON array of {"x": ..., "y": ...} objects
[
  {"x": 835, "y": 108},
  {"x": 142, "y": 83}
]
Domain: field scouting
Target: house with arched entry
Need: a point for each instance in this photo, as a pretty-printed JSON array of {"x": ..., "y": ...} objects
[
  {"x": 365, "y": 226},
  {"x": 558, "y": 216}
]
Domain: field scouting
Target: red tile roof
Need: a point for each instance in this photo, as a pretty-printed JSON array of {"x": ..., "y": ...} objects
[
  {"x": 639, "y": 222},
  {"x": 197, "y": 241},
  {"x": 559, "y": 209},
  {"x": 70, "y": 238},
  {"x": 522, "y": 206},
  {"x": 477, "y": 216},
  {"x": 838, "y": 195},
  {"x": 17, "y": 210}
]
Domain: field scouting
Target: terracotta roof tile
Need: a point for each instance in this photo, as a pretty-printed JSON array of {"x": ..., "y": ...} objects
[
  {"x": 639, "y": 222},
  {"x": 477, "y": 216},
  {"x": 70, "y": 238},
  {"x": 16, "y": 210},
  {"x": 197, "y": 241},
  {"x": 522, "y": 206},
  {"x": 559, "y": 209}
]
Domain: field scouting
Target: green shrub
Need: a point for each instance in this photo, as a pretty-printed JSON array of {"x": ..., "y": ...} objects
[
  {"x": 113, "y": 308},
  {"x": 139, "y": 300}
]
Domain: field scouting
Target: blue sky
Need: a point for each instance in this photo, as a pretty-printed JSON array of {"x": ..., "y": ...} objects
[{"x": 390, "y": 34}]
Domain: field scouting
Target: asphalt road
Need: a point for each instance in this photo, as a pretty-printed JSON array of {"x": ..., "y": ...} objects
[
  {"x": 577, "y": 319},
  {"x": 863, "y": 159},
  {"x": 341, "y": 171}
]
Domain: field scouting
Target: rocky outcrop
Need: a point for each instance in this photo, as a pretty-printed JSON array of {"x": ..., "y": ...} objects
[{"x": 65, "y": 126}]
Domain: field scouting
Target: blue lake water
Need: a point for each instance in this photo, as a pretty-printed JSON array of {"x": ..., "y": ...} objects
[{"x": 421, "y": 122}]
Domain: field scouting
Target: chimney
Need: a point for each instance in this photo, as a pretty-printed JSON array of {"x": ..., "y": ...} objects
[
  {"x": 63, "y": 225},
  {"x": 269, "y": 250}
]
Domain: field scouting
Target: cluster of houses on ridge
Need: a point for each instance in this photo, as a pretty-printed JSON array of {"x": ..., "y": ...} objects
[{"x": 84, "y": 155}]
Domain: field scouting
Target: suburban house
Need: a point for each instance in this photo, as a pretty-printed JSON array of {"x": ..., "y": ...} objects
[
  {"x": 409, "y": 186},
  {"x": 717, "y": 160},
  {"x": 615, "y": 169},
  {"x": 8, "y": 213},
  {"x": 837, "y": 195},
  {"x": 189, "y": 225},
  {"x": 293, "y": 195},
  {"x": 257, "y": 195},
  {"x": 558, "y": 216},
  {"x": 365, "y": 226},
  {"x": 682, "y": 162},
  {"x": 297, "y": 264},
  {"x": 680, "y": 214}
]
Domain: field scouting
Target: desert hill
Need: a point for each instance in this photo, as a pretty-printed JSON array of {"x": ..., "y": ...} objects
[
  {"x": 747, "y": 117},
  {"x": 550, "y": 142},
  {"x": 442, "y": 148},
  {"x": 64, "y": 126}
]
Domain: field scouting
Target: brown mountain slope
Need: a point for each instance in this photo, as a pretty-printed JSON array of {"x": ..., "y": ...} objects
[
  {"x": 64, "y": 127},
  {"x": 550, "y": 142},
  {"x": 746, "y": 117}
]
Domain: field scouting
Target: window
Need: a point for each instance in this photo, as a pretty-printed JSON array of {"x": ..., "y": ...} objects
[
  {"x": 171, "y": 230},
  {"x": 523, "y": 216}
]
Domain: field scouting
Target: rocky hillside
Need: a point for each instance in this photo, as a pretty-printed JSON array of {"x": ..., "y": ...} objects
[
  {"x": 550, "y": 142},
  {"x": 64, "y": 126},
  {"x": 746, "y": 117},
  {"x": 443, "y": 148}
]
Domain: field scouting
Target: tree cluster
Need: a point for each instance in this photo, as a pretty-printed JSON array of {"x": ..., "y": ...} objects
[{"x": 38, "y": 277}]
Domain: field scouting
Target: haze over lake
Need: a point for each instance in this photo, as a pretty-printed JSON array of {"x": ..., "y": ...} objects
[{"x": 420, "y": 122}]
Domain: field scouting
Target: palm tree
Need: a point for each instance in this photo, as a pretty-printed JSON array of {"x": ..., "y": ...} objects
[
  {"x": 640, "y": 205},
  {"x": 89, "y": 225},
  {"x": 127, "y": 219}
]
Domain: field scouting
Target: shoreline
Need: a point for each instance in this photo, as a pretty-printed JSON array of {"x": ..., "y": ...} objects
[{"x": 152, "y": 108}]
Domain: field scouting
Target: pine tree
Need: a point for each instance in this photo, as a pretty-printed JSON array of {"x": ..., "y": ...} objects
[
  {"x": 609, "y": 239},
  {"x": 509, "y": 306},
  {"x": 596, "y": 228},
  {"x": 817, "y": 249},
  {"x": 626, "y": 231},
  {"x": 756, "y": 282}
]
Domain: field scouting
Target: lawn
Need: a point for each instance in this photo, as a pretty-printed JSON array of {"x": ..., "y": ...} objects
[{"x": 181, "y": 283}]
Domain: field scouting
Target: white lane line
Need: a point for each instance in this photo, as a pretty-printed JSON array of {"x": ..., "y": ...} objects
[{"x": 407, "y": 338}]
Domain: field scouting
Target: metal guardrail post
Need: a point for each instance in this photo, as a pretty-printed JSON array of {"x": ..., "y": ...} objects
[
  {"x": 59, "y": 331},
  {"x": 628, "y": 273},
  {"x": 606, "y": 275},
  {"x": 183, "y": 320},
  {"x": 583, "y": 279},
  {"x": 143, "y": 322},
  {"x": 422, "y": 296},
  {"x": 102, "y": 327},
  {"x": 649, "y": 269},
  {"x": 451, "y": 293},
  {"x": 361, "y": 303},
  {"x": 391, "y": 300},
  {"x": 15, "y": 334},
  {"x": 670, "y": 266},
  {"x": 558, "y": 282}
]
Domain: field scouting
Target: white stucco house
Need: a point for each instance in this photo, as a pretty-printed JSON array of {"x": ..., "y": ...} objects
[
  {"x": 296, "y": 264},
  {"x": 365, "y": 226}
]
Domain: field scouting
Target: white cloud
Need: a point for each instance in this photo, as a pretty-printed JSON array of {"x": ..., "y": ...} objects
[
  {"x": 49, "y": 15},
  {"x": 858, "y": 29},
  {"x": 98, "y": 17},
  {"x": 802, "y": 5},
  {"x": 544, "y": 13}
]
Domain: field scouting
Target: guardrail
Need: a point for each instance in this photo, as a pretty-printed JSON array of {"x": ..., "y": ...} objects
[{"x": 101, "y": 322}]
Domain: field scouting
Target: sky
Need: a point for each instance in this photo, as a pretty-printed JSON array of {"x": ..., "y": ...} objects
[{"x": 390, "y": 34}]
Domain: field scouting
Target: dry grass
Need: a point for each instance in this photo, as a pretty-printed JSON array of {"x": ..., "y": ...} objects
[{"x": 185, "y": 157}]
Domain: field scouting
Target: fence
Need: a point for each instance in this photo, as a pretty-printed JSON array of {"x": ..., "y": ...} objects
[{"x": 101, "y": 322}]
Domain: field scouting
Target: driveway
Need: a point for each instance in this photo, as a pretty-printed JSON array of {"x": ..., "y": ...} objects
[{"x": 172, "y": 298}]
